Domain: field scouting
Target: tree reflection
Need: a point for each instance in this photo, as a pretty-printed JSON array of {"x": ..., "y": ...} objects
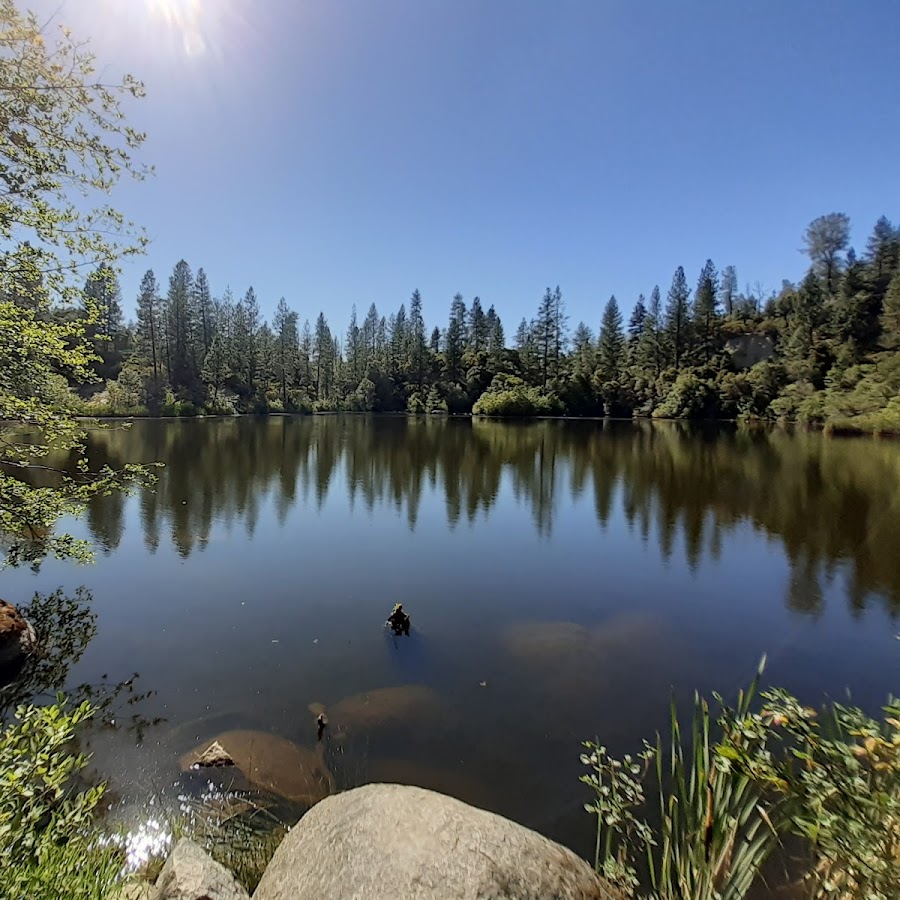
[
  {"x": 830, "y": 503},
  {"x": 65, "y": 625}
]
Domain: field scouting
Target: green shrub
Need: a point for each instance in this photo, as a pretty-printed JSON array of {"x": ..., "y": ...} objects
[
  {"x": 47, "y": 822},
  {"x": 714, "y": 835},
  {"x": 510, "y": 396}
]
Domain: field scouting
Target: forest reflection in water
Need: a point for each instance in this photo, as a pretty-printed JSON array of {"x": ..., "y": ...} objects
[{"x": 828, "y": 502}]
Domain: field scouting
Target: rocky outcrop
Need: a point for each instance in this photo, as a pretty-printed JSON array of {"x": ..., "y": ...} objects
[
  {"x": 746, "y": 350},
  {"x": 269, "y": 762},
  {"x": 17, "y": 637},
  {"x": 386, "y": 841},
  {"x": 190, "y": 874}
]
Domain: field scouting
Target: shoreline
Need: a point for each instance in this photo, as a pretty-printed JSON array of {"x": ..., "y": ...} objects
[{"x": 840, "y": 429}]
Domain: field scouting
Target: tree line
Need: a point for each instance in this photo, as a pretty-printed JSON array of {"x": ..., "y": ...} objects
[{"x": 823, "y": 350}]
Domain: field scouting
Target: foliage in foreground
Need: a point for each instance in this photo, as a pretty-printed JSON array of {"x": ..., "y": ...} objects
[
  {"x": 713, "y": 835},
  {"x": 63, "y": 146},
  {"x": 741, "y": 783},
  {"x": 47, "y": 818}
]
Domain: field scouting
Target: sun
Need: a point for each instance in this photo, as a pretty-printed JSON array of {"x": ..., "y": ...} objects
[
  {"x": 175, "y": 12},
  {"x": 187, "y": 18}
]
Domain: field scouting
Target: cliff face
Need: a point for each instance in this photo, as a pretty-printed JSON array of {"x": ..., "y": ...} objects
[{"x": 749, "y": 349}]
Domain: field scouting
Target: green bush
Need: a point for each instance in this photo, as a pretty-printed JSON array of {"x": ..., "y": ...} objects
[
  {"x": 713, "y": 836},
  {"x": 47, "y": 822},
  {"x": 510, "y": 396}
]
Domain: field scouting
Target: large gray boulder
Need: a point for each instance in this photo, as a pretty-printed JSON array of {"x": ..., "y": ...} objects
[
  {"x": 388, "y": 841},
  {"x": 190, "y": 874}
]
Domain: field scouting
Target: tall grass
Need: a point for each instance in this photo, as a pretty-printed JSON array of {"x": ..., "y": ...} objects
[{"x": 713, "y": 834}]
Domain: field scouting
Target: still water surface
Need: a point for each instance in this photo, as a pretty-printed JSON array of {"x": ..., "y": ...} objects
[{"x": 562, "y": 577}]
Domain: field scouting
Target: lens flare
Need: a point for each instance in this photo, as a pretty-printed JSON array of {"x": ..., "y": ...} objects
[{"x": 186, "y": 18}]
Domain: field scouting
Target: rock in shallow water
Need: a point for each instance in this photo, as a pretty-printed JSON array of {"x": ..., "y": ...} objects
[
  {"x": 273, "y": 764},
  {"x": 17, "y": 637},
  {"x": 190, "y": 874},
  {"x": 386, "y": 841}
]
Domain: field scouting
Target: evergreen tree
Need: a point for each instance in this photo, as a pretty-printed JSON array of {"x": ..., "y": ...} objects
[
  {"x": 728, "y": 289},
  {"x": 825, "y": 239},
  {"x": 418, "y": 352},
  {"x": 478, "y": 328},
  {"x": 549, "y": 334},
  {"x": 148, "y": 322},
  {"x": 890, "y": 318},
  {"x": 356, "y": 359},
  {"x": 103, "y": 301},
  {"x": 370, "y": 333},
  {"x": 677, "y": 323},
  {"x": 610, "y": 348},
  {"x": 706, "y": 311},
  {"x": 287, "y": 347},
  {"x": 205, "y": 312},
  {"x": 496, "y": 340},
  {"x": 215, "y": 367},
  {"x": 583, "y": 355},
  {"x": 434, "y": 345},
  {"x": 323, "y": 365},
  {"x": 637, "y": 320},
  {"x": 455, "y": 341},
  {"x": 653, "y": 347},
  {"x": 305, "y": 362},
  {"x": 183, "y": 372}
]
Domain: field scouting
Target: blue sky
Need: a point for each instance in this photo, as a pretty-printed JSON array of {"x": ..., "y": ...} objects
[{"x": 348, "y": 151}]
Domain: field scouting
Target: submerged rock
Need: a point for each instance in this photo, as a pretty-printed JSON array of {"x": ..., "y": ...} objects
[
  {"x": 190, "y": 874},
  {"x": 383, "y": 708},
  {"x": 214, "y": 756},
  {"x": 386, "y": 841},
  {"x": 272, "y": 763}
]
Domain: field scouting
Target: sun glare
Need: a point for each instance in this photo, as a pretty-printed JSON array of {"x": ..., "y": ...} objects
[{"x": 184, "y": 17}]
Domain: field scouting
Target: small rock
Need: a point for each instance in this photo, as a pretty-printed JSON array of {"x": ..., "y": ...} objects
[
  {"x": 386, "y": 841},
  {"x": 190, "y": 874},
  {"x": 17, "y": 637},
  {"x": 214, "y": 756}
]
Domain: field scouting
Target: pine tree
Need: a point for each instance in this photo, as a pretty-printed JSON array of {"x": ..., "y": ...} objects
[
  {"x": 287, "y": 341},
  {"x": 215, "y": 367},
  {"x": 252, "y": 323},
  {"x": 550, "y": 334},
  {"x": 434, "y": 345},
  {"x": 203, "y": 305},
  {"x": 455, "y": 341},
  {"x": 883, "y": 249},
  {"x": 103, "y": 301},
  {"x": 183, "y": 371},
  {"x": 418, "y": 352},
  {"x": 370, "y": 333},
  {"x": 306, "y": 355},
  {"x": 637, "y": 320},
  {"x": 728, "y": 289},
  {"x": 356, "y": 361},
  {"x": 478, "y": 328},
  {"x": 610, "y": 348},
  {"x": 583, "y": 356},
  {"x": 148, "y": 322},
  {"x": 496, "y": 341},
  {"x": 706, "y": 311},
  {"x": 826, "y": 238},
  {"x": 653, "y": 347},
  {"x": 890, "y": 318},
  {"x": 323, "y": 366},
  {"x": 677, "y": 323},
  {"x": 398, "y": 337}
]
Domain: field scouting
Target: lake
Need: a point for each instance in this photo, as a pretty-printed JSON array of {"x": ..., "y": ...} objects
[{"x": 563, "y": 578}]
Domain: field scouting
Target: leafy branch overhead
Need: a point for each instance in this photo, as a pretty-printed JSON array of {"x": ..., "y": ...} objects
[{"x": 64, "y": 144}]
